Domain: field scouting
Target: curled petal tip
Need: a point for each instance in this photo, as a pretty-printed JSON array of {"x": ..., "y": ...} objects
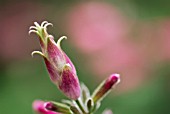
[
  {"x": 51, "y": 36},
  {"x": 47, "y": 24},
  {"x": 43, "y": 23},
  {"x": 32, "y": 31},
  {"x": 37, "y": 52},
  {"x": 63, "y": 37},
  {"x": 33, "y": 27},
  {"x": 59, "y": 40},
  {"x": 36, "y": 24}
]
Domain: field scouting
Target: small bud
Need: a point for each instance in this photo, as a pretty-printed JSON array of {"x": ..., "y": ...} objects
[
  {"x": 61, "y": 69},
  {"x": 104, "y": 88},
  {"x": 57, "y": 107},
  {"x": 38, "y": 107}
]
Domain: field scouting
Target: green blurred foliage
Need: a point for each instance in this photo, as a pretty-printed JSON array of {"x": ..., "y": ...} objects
[
  {"x": 25, "y": 81},
  {"x": 151, "y": 98},
  {"x": 145, "y": 9},
  {"x": 152, "y": 8}
]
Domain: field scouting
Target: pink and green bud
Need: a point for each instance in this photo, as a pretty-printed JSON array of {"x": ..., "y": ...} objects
[
  {"x": 58, "y": 107},
  {"x": 61, "y": 70},
  {"x": 39, "y": 108},
  {"x": 105, "y": 87}
]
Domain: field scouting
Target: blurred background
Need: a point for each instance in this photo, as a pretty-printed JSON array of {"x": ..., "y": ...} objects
[{"x": 130, "y": 37}]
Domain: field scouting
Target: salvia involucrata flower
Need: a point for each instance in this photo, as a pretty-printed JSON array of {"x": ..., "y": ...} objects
[{"x": 61, "y": 69}]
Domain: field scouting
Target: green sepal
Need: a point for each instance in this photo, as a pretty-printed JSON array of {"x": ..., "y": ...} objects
[
  {"x": 85, "y": 93},
  {"x": 90, "y": 104},
  {"x": 63, "y": 108},
  {"x": 75, "y": 110},
  {"x": 67, "y": 102}
]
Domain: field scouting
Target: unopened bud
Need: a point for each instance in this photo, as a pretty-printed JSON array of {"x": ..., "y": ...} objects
[
  {"x": 104, "y": 88},
  {"x": 38, "y": 107},
  {"x": 57, "y": 107},
  {"x": 61, "y": 69}
]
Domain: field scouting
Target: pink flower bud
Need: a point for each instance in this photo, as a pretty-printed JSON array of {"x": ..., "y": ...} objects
[
  {"x": 58, "y": 107},
  {"x": 104, "y": 88},
  {"x": 39, "y": 107},
  {"x": 61, "y": 69}
]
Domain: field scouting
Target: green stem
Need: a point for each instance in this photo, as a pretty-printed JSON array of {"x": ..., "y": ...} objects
[{"x": 80, "y": 106}]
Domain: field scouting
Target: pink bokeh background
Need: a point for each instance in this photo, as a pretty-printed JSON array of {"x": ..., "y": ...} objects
[{"x": 102, "y": 32}]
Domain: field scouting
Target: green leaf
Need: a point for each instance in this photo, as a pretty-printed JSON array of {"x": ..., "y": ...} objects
[{"x": 85, "y": 93}]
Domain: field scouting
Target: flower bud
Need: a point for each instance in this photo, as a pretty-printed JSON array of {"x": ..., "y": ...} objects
[
  {"x": 61, "y": 70},
  {"x": 39, "y": 107},
  {"x": 104, "y": 88},
  {"x": 58, "y": 107}
]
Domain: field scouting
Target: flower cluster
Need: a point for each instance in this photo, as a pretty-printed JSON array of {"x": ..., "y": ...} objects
[{"x": 63, "y": 74}]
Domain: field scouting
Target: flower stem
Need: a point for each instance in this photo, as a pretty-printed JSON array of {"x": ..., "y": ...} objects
[{"x": 80, "y": 106}]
